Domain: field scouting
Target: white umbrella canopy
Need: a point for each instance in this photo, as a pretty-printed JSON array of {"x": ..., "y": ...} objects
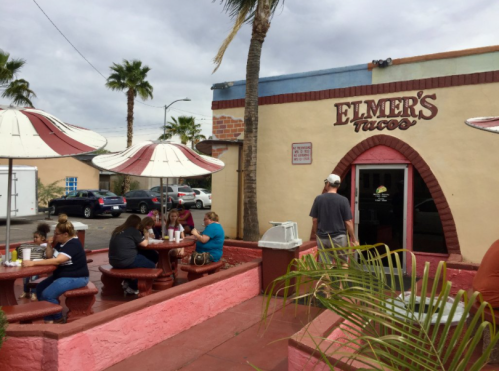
[
  {"x": 31, "y": 133},
  {"x": 159, "y": 159},
  {"x": 484, "y": 123}
]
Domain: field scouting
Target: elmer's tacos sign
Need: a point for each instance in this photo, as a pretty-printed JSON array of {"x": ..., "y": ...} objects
[{"x": 387, "y": 113}]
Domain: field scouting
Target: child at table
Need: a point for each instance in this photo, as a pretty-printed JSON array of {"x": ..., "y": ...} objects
[
  {"x": 38, "y": 248},
  {"x": 173, "y": 223},
  {"x": 154, "y": 214},
  {"x": 145, "y": 228}
]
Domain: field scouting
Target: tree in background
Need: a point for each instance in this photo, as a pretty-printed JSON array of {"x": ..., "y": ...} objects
[
  {"x": 130, "y": 77},
  {"x": 258, "y": 13},
  {"x": 3, "y": 327},
  {"x": 118, "y": 182},
  {"x": 101, "y": 151},
  {"x": 17, "y": 89},
  {"x": 186, "y": 128},
  {"x": 48, "y": 192}
]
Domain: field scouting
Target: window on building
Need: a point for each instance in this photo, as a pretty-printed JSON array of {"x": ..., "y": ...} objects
[{"x": 71, "y": 184}]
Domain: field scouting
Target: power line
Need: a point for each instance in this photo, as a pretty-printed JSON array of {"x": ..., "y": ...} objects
[
  {"x": 74, "y": 47},
  {"x": 194, "y": 113}
]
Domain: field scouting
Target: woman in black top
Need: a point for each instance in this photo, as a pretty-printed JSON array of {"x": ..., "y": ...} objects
[
  {"x": 123, "y": 250},
  {"x": 71, "y": 272}
]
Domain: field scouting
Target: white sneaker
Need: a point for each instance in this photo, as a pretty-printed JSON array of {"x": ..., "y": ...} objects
[
  {"x": 130, "y": 291},
  {"x": 124, "y": 284}
]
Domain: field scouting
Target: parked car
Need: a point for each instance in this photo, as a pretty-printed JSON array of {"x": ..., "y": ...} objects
[
  {"x": 144, "y": 201},
  {"x": 181, "y": 194},
  {"x": 203, "y": 197},
  {"x": 89, "y": 202}
]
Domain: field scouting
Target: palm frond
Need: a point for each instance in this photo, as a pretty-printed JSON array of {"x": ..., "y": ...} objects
[
  {"x": 421, "y": 327},
  {"x": 19, "y": 90}
]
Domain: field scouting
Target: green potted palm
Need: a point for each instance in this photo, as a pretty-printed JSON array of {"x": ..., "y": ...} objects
[
  {"x": 3, "y": 327},
  {"x": 391, "y": 322}
]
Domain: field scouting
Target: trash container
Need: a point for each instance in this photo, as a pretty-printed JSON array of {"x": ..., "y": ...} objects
[
  {"x": 280, "y": 245},
  {"x": 80, "y": 229}
]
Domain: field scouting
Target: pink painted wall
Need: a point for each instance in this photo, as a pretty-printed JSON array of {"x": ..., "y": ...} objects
[
  {"x": 29, "y": 354},
  {"x": 103, "y": 346}
]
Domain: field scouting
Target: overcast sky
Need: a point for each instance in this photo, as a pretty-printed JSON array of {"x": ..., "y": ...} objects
[{"x": 178, "y": 39}]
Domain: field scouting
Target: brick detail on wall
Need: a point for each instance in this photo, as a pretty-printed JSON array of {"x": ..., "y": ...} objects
[
  {"x": 353, "y": 91},
  {"x": 444, "y": 211},
  {"x": 217, "y": 152},
  {"x": 227, "y": 128}
]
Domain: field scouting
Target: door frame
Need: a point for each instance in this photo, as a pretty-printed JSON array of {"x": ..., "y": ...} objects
[{"x": 408, "y": 202}]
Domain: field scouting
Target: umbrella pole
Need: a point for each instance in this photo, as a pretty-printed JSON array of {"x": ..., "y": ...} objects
[
  {"x": 162, "y": 204},
  {"x": 9, "y": 202}
]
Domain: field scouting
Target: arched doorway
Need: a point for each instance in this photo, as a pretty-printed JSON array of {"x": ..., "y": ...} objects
[{"x": 381, "y": 160}]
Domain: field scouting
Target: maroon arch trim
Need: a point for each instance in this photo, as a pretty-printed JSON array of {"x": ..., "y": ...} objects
[{"x": 444, "y": 211}]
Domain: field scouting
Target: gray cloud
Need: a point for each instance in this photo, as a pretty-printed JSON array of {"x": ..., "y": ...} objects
[{"x": 178, "y": 40}]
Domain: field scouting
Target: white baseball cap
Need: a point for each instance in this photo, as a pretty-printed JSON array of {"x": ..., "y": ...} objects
[{"x": 333, "y": 179}]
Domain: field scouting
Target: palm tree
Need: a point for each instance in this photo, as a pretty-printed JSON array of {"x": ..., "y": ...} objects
[
  {"x": 17, "y": 89},
  {"x": 186, "y": 128},
  {"x": 130, "y": 76},
  {"x": 384, "y": 327},
  {"x": 258, "y": 13}
]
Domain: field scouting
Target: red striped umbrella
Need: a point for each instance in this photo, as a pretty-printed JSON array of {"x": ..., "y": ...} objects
[
  {"x": 159, "y": 159},
  {"x": 32, "y": 133},
  {"x": 484, "y": 123}
]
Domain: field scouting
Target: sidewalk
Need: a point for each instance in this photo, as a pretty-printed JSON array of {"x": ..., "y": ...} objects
[{"x": 229, "y": 341}]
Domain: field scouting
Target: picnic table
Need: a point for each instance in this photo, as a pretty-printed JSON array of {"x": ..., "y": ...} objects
[
  {"x": 8, "y": 275},
  {"x": 165, "y": 280}
]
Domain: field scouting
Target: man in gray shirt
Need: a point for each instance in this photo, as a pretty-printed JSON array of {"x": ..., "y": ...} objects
[{"x": 332, "y": 218}]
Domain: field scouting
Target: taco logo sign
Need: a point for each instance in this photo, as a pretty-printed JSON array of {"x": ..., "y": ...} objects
[{"x": 386, "y": 113}]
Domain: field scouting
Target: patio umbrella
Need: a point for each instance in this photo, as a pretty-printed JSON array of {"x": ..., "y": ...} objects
[
  {"x": 27, "y": 133},
  {"x": 159, "y": 159},
  {"x": 484, "y": 123}
]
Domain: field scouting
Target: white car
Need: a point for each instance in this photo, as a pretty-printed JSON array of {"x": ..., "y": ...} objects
[{"x": 203, "y": 197}]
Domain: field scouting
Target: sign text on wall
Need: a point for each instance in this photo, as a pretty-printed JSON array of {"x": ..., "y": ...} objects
[
  {"x": 386, "y": 113},
  {"x": 302, "y": 153}
]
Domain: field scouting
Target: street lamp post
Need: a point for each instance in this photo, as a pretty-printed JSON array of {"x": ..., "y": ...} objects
[
  {"x": 166, "y": 109},
  {"x": 161, "y": 179}
]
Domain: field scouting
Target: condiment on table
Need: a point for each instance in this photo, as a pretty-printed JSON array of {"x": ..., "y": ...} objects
[
  {"x": 165, "y": 281},
  {"x": 8, "y": 275}
]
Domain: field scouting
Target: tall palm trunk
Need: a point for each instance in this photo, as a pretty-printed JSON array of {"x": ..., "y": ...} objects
[
  {"x": 129, "y": 134},
  {"x": 261, "y": 25}
]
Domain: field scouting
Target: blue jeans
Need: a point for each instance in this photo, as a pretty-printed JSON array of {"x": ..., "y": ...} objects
[
  {"x": 26, "y": 281},
  {"x": 51, "y": 288},
  {"x": 140, "y": 262}
]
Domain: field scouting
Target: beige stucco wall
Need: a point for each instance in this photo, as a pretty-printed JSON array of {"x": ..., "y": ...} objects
[
  {"x": 57, "y": 169},
  {"x": 224, "y": 194},
  {"x": 437, "y": 68},
  {"x": 464, "y": 160}
]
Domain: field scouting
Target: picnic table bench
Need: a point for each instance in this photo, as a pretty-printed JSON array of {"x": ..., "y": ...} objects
[
  {"x": 197, "y": 271},
  {"x": 112, "y": 278},
  {"x": 26, "y": 313},
  {"x": 80, "y": 301}
]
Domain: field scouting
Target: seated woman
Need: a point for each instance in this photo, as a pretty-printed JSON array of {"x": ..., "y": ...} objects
[
  {"x": 124, "y": 250},
  {"x": 212, "y": 238},
  {"x": 185, "y": 218},
  {"x": 71, "y": 272}
]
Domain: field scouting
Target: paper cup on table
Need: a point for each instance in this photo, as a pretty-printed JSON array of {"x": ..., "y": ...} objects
[
  {"x": 177, "y": 236},
  {"x": 26, "y": 254},
  {"x": 170, "y": 234}
]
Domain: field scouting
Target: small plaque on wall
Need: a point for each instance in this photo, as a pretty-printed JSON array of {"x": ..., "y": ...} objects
[{"x": 301, "y": 153}]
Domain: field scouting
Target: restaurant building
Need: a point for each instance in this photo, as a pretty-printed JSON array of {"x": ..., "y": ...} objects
[{"x": 416, "y": 176}]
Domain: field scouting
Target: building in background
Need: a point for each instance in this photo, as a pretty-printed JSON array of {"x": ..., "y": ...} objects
[{"x": 416, "y": 176}]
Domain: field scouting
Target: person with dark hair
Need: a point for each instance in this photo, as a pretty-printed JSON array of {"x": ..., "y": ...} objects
[
  {"x": 38, "y": 248},
  {"x": 332, "y": 219},
  {"x": 212, "y": 238},
  {"x": 72, "y": 270},
  {"x": 185, "y": 218},
  {"x": 124, "y": 250},
  {"x": 145, "y": 229}
]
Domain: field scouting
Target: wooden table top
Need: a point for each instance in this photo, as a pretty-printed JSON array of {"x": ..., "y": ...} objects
[
  {"x": 168, "y": 245},
  {"x": 8, "y": 273}
]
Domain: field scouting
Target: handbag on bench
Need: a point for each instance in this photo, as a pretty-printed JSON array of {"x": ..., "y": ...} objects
[{"x": 200, "y": 258}]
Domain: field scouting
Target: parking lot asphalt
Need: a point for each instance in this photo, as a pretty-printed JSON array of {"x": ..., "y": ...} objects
[{"x": 96, "y": 236}]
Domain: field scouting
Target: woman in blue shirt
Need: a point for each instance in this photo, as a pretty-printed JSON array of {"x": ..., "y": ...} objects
[{"x": 212, "y": 238}]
